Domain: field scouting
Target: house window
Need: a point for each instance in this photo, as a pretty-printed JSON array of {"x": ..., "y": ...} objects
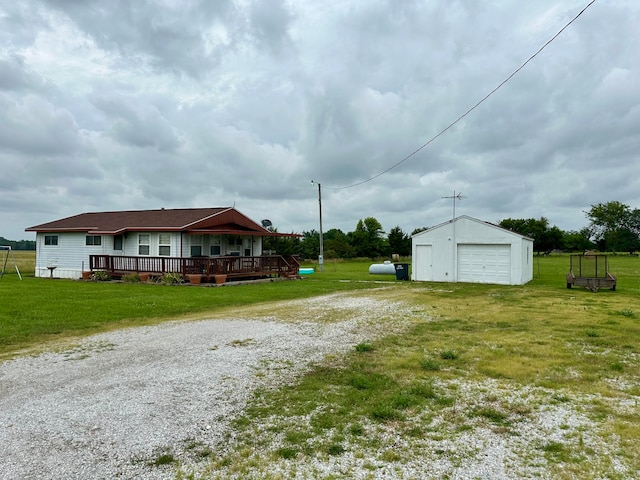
[
  {"x": 196, "y": 245},
  {"x": 93, "y": 240},
  {"x": 215, "y": 245},
  {"x": 143, "y": 244},
  {"x": 51, "y": 240},
  {"x": 117, "y": 242},
  {"x": 164, "y": 244}
]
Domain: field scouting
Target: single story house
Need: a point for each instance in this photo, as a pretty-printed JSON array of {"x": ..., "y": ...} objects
[
  {"x": 187, "y": 241},
  {"x": 469, "y": 250}
]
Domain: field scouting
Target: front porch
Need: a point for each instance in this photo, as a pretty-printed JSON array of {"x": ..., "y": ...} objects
[{"x": 234, "y": 267}]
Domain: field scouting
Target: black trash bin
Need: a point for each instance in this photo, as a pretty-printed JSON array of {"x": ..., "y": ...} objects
[{"x": 402, "y": 271}]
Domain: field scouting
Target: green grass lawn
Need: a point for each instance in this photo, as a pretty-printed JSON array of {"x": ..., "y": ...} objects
[
  {"x": 563, "y": 346},
  {"x": 35, "y": 310}
]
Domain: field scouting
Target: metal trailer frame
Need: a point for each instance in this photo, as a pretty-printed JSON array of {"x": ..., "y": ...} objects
[{"x": 590, "y": 271}]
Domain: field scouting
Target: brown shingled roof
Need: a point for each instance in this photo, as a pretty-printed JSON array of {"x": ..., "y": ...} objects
[{"x": 222, "y": 219}]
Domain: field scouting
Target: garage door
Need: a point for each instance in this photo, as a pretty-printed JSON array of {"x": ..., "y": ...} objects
[{"x": 484, "y": 263}]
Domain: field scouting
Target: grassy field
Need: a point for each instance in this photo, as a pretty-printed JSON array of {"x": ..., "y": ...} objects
[
  {"x": 25, "y": 261},
  {"x": 491, "y": 357},
  {"x": 38, "y": 311}
]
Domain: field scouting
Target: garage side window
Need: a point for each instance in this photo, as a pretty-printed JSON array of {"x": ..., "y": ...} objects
[{"x": 143, "y": 244}]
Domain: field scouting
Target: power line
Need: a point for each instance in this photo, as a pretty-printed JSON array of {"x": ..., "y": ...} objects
[{"x": 481, "y": 101}]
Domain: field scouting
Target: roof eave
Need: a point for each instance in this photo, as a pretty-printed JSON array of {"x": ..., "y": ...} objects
[{"x": 58, "y": 230}]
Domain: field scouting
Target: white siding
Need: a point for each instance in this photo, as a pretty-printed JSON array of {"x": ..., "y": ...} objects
[
  {"x": 69, "y": 257},
  {"x": 257, "y": 246}
]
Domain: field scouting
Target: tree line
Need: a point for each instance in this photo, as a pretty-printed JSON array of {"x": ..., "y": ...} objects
[
  {"x": 613, "y": 227},
  {"x": 18, "y": 244}
]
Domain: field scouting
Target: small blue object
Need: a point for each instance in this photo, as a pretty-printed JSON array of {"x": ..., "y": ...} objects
[{"x": 305, "y": 271}]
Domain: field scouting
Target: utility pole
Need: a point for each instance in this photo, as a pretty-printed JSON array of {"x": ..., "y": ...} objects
[{"x": 321, "y": 256}]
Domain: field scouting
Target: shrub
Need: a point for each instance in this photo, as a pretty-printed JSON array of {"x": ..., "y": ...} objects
[
  {"x": 131, "y": 278},
  {"x": 172, "y": 278},
  {"x": 100, "y": 276}
]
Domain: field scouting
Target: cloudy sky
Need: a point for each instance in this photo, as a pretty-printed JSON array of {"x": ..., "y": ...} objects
[{"x": 111, "y": 105}]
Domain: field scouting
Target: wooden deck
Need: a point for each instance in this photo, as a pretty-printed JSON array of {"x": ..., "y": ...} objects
[{"x": 233, "y": 267}]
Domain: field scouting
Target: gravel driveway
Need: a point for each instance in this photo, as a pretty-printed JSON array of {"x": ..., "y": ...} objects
[{"x": 110, "y": 406}]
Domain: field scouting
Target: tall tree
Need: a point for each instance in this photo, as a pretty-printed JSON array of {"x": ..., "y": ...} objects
[
  {"x": 604, "y": 217},
  {"x": 614, "y": 226},
  {"x": 545, "y": 238},
  {"x": 310, "y": 244},
  {"x": 621, "y": 240},
  {"x": 281, "y": 245},
  {"x": 634, "y": 221},
  {"x": 336, "y": 245},
  {"x": 367, "y": 239},
  {"x": 399, "y": 242},
  {"x": 578, "y": 241}
]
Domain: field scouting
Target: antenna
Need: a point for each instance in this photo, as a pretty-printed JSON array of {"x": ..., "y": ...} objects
[
  {"x": 266, "y": 223},
  {"x": 455, "y": 197}
]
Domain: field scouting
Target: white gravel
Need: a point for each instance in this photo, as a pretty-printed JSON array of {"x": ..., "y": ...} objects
[{"x": 112, "y": 405}]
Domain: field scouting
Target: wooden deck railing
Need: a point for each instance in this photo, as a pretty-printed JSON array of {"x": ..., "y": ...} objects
[{"x": 233, "y": 267}]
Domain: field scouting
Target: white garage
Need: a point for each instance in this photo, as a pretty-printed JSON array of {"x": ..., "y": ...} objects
[{"x": 469, "y": 250}]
